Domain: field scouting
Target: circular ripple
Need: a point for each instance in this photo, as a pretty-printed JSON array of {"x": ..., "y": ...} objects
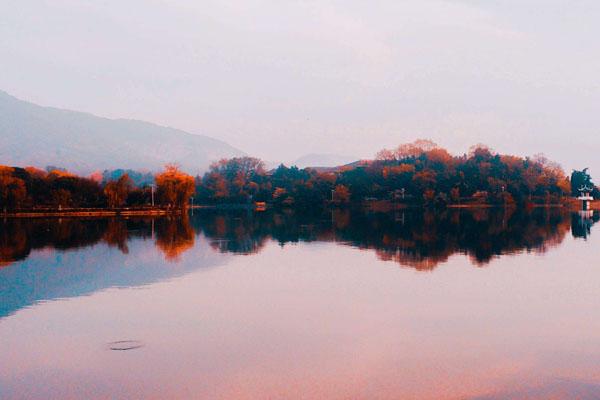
[{"x": 124, "y": 345}]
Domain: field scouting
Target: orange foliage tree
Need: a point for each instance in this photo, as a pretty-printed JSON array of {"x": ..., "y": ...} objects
[
  {"x": 174, "y": 187},
  {"x": 341, "y": 194},
  {"x": 12, "y": 189},
  {"x": 238, "y": 179}
]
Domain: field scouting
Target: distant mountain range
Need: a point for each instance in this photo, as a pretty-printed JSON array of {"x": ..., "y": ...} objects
[{"x": 82, "y": 143}]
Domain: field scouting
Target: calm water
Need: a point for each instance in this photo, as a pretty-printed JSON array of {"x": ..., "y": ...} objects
[{"x": 236, "y": 305}]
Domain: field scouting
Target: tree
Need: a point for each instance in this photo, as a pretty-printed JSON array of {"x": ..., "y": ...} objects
[
  {"x": 12, "y": 189},
  {"x": 67, "y": 189},
  {"x": 580, "y": 179},
  {"x": 386, "y": 155},
  {"x": 174, "y": 188},
  {"x": 481, "y": 151},
  {"x": 236, "y": 180},
  {"x": 280, "y": 195},
  {"x": 117, "y": 191},
  {"x": 407, "y": 150},
  {"x": 455, "y": 195},
  {"x": 61, "y": 198},
  {"x": 415, "y": 148},
  {"x": 341, "y": 194}
]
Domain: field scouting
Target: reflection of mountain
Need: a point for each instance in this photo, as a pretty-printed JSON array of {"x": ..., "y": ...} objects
[{"x": 125, "y": 256}]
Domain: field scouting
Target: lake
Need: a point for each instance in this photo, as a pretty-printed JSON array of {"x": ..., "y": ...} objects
[{"x": 460, "y": 304}]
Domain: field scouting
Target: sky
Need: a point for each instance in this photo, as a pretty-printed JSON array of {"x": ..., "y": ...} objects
[{"x": 279, "y": 79}]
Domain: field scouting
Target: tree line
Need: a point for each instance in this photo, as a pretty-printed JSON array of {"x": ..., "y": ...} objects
[
  {"x": 25, "y": 188},
  {"x": 419, "y": 173},
  {"x": 416, "y": 173}
]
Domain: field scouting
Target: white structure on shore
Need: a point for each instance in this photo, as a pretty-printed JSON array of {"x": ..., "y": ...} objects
[{"x": 585, "y": 197}]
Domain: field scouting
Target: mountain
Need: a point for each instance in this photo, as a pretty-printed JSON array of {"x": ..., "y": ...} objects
[
  {"x": 323, "y": 160},
  {"x": 82, "y": 143}
]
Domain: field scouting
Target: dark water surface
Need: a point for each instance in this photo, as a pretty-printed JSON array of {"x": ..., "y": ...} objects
[{"x": 482, "y": 304}]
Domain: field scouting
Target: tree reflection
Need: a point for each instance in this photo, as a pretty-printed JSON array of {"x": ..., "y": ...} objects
[
  {"x": 174, "y": 236},
  {"x": 18, "y": 237},
  {"x": 581, "y": 223},
  {"x": 13, "y": 243},
  {"x": 234, "y": 232},
  {"x": 422, "y": 240},
  {"x": 419, "y": 239},
  {"x": 117, "y": 235}
]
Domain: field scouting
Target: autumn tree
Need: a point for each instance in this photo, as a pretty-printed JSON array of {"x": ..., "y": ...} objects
[
  {"x": 237, "y": 180},
  {"x": 174, "y": 188},
  {"x": 12, "y": 189},
  {"x": 481, "y": 151},
  {"x": 281, "y": 197},
  {"x": 407, "y": 150},
  {"x": 341, "y": 195},
  {"x": 116, "y": 191},
  {"x": 415, "y": 148}
]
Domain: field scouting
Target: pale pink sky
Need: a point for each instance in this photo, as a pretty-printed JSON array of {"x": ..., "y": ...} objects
[{"x": 279, "y": 79}]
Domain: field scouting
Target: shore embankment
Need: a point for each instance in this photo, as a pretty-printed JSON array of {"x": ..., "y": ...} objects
[
  {"x": 90, "y": 212},
  {"x": 570, "y": 205}
]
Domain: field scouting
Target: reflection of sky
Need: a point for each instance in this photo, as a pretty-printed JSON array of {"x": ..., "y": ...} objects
[
  {"x": 49, "y": 274},
  {"x": 320, "y": 320}
]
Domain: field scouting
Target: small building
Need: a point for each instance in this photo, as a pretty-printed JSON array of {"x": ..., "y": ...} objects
[{"x": 585, "y": 197}]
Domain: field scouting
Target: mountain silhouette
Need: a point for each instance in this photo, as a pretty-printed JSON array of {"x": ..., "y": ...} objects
[{"x": 83, "y": 143}]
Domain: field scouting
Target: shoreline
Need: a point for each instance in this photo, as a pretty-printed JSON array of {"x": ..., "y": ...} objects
[
  {"x": 97, "y": 212},
  {"x": 150, "y": 212}
]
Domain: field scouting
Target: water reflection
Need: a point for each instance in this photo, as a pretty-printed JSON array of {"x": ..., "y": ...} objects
[
  {"x": 310, "y": 320},
  {"x": 417, "y": 239},
  {"x": 414, "y": 239},
  {"x": 31, "y": 270},
  {"x": 18, "y": 237},
  {"x": 174, "y": 236},
  {"x": 581, "y": 223}
]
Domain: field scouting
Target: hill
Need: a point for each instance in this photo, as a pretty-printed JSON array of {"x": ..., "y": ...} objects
[{"x": 81, "y": 142}]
